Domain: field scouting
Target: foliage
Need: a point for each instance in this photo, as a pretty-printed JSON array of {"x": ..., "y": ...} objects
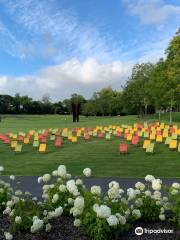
[
  {"x": 150, "y": 210},
  {"x": 101, "y": 215},
  {"x": 22, "y": 212},
  {"x": 5, "y": 192},
  {"x": 174, "y": 199}
]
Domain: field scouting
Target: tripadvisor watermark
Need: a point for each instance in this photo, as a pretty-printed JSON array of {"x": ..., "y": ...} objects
[{"x": 139, "y": 231}]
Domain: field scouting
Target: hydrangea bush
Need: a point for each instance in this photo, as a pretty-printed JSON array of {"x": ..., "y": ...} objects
[
  {"x": 148, "y": 199},
  {"x": 102, "y": 215},
  {"x": 24, "y": 213},
  {"x": 5, "y": 192},
  {"x": 174, "y": 199}
]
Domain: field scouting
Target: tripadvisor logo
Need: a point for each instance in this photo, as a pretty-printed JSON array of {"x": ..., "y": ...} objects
[{"x": 139, "y": 231}]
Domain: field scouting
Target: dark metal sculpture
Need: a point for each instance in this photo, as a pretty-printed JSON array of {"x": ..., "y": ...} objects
[{"x": 76, "y": 111}]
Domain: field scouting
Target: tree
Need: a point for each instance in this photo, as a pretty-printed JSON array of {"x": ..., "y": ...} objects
[
  {"x": 6, "y": 104},
  {"x": 136, "y": 97},
  {"x": 17, "y": 103},
  {"x": 89, "y": 108},
  {"x": 46, "y": 99},
  {"x": 173, "y": 71}
]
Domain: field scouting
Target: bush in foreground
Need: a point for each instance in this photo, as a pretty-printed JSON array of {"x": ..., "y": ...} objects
[{"x": 101, "y": 215}]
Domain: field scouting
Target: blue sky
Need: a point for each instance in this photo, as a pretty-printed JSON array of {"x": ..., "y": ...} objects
[{"x": 60, "y": 47}]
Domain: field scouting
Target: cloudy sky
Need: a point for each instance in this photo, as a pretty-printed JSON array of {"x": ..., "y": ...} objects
[{"x": 59, "y": 47}]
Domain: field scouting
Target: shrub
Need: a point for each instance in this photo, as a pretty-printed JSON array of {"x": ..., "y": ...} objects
[
  {"x": 24, "y": 213},
  {"x": 174, "y": 201},
  {"x": 5, "y": 192}
]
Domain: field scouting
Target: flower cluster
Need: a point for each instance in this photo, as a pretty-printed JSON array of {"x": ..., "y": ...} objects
[
  {"x": 5, "y": 191},
  {"x": 101, "y": 214},
  {"x": 174, "y": 201}
]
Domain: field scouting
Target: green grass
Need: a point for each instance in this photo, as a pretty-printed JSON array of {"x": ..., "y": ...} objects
[{"x": 99, "y": 154}]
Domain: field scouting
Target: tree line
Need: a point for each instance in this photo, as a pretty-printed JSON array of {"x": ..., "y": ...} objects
[{"x": 150, "y": 88}]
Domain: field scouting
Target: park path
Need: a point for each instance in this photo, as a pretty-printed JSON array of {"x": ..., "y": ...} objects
[{"x": 29, "y": 183}]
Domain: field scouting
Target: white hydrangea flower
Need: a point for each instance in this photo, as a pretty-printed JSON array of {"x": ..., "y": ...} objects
[
  {"x": 77, "y": 222},
  {"x": 68, "y": 176},
  {"x": 112, "y": 220},
  {"x": 76, "y": 211},
  {"x": 79, "y": 202},
  {"x": 165, "y": 199},
  {"x": 7, "y": 211},
  {"x": 139, "y": 202},
  {"x": 147, "y": 193},
  {"x": 122, "y": 219},
  {"x": 62, "y": 171},
  {"x": 131, "y": 193},
  {"x": 10, "y": 204},
  {"x": 55, "y": 173},
  {"x": 158, "y": 203},
  {"x": 40, "y": 179},
  {"x": 87, "y": 172},
  {"x": 37, "y": 224},
  {"x": 11, "y": 213},
  {"x": 18, "y": 193},
  {"x": 79, "y": 182},
  {"x": 174, "y": 192},
  {"x": 58, "y": 211},
  {"x": 162, "y": 210},
  {"x": 176, "y": 185},
  {"x": 72, "y": 188},
  {"x": 103, "y": 211},
  {"x": 46, "y": 178},
  {"x": 45, "y": 212},
  {"x": 45, "y": 196},
  {"x": 114, "y": 193},
  {"x": 140, "y": 186},
  {"x": 12, "y": 177},
  {"x": 96, "y": 190},
  {"x": 127, "y": 213},
  {"x": 95, "y": 207},
  {"x": 18, "y": 220},
  {"x": 156, "y": 184},
  {"x": 48, "y": 227},
  {"x": 149, "y": 178},
  {"x": 46, "y": 188},
  {"x": 136, "y": 213},
  {"x": 162, "y": 217},
  {"x": 55, "y": 198},
  {"x": 62, "y": 188},
  {"x": 137, "y": 191},
  {"x": 8, "y": 236},
  {"x": 156, "y": 195},
  {"x": 70, "y": 201},
  {"x": 114, "y": 184}
]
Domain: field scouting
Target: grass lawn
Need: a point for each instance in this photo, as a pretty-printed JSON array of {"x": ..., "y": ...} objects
[{"x": 99, "y": 154}]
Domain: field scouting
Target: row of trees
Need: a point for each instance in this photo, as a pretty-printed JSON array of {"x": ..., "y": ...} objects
[{"x": 150, "y": 88}]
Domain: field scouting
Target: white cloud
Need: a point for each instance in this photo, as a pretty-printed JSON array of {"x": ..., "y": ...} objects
[
  {"x": 152, "y": 11},
  {"x": 72, "y": 76}
]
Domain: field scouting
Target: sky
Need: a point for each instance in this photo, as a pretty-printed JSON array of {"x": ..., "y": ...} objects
[{"x": 60, "y": 47}]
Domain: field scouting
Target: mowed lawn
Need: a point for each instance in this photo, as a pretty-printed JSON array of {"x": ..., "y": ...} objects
[{"x": 99, "y": 154}]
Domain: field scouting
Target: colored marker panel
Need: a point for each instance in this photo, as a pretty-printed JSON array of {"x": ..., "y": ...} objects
[
  {"x": 146, "y": 143},
  {"x": 42, "y": 148},
  {"x": 173, "y": 144},
  {"x": 18, "y": 148}
]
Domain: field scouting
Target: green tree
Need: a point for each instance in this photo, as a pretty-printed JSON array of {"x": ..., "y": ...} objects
[{"x": 136, "y": 95}]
